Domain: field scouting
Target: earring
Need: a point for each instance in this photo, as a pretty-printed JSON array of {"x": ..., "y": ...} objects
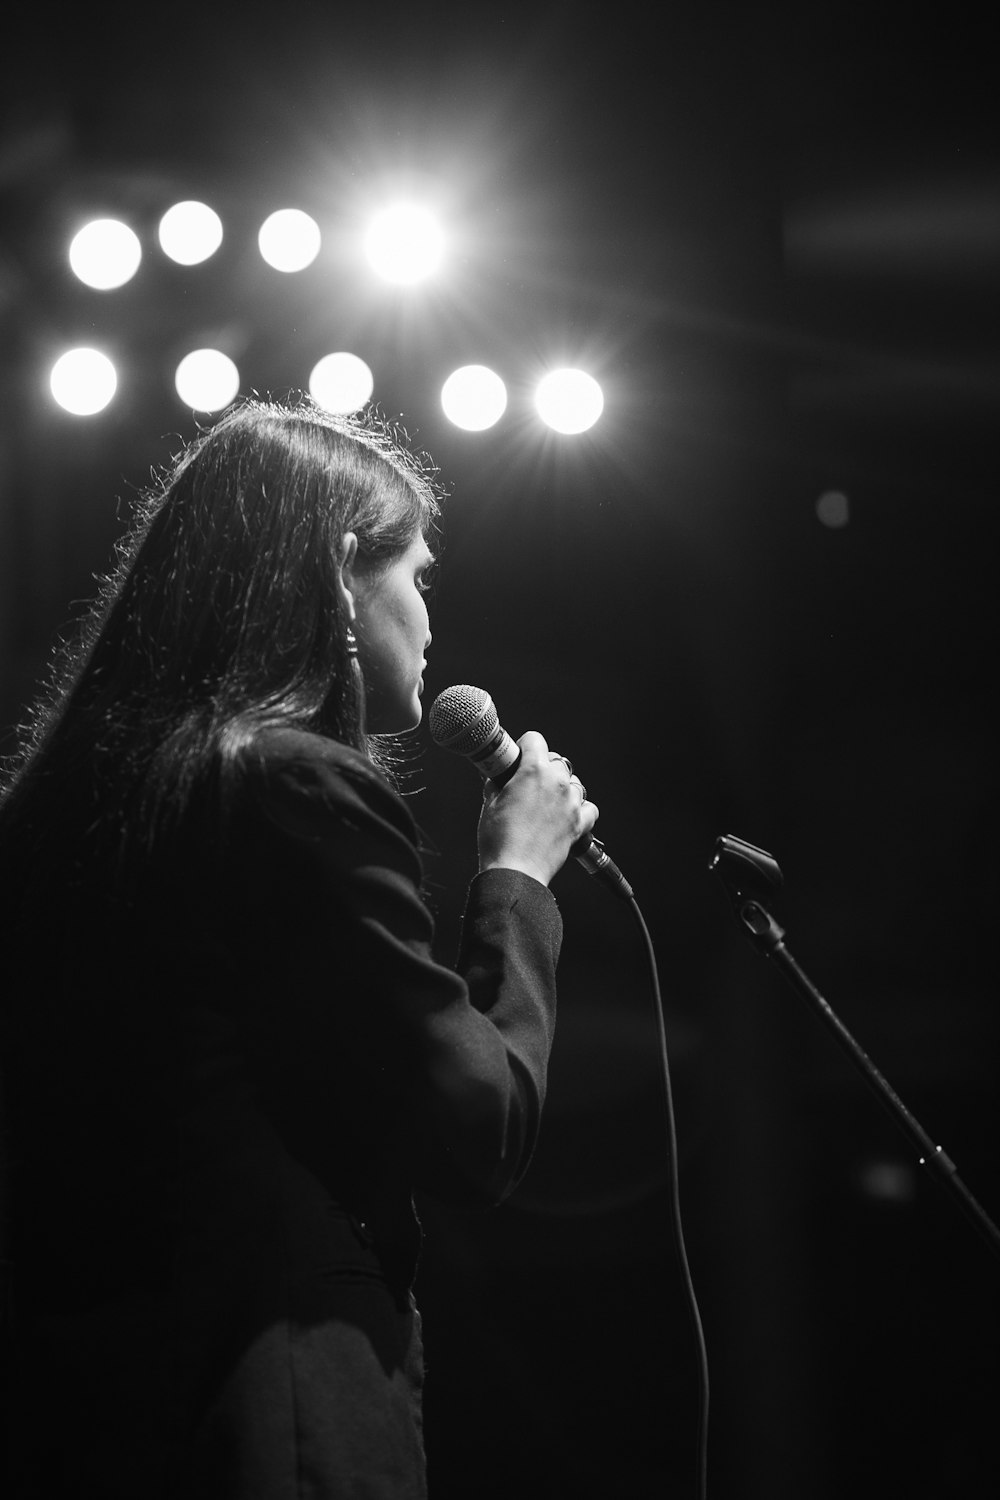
[{"x": 352, "y": 644}]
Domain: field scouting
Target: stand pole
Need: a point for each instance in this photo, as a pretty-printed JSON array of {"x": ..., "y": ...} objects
[{"x": 741, "y": 868}]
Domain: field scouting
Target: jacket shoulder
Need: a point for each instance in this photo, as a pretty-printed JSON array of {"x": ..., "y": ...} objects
[{"x": 291, "y": 771}]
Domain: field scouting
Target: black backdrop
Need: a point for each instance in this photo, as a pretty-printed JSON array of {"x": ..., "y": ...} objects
[{"x": 773, "y": 234}]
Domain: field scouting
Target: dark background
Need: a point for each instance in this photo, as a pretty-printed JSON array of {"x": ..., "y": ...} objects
[{"x": 773, "y": 234}]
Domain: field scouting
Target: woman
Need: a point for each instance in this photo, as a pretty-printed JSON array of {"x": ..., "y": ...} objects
[{"x": 228, "y": 1055}]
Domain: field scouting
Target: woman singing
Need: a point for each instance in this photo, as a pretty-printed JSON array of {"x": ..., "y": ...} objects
[{"x": 228, "y": 1057}]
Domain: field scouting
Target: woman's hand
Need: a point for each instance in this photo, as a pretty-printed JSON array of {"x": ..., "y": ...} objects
[{"x": 531, "y": 823}]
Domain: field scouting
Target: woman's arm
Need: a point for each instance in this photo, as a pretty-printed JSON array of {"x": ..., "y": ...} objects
[{"x": 444, "y": 1069}]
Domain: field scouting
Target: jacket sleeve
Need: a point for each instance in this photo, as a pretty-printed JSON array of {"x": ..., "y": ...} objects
[{"x": 440, "y": 1070}]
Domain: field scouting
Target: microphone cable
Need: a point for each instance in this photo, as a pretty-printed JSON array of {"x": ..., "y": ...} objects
[
  {"x": 691, "y": 1300},
  {"x": 464, "y": 720}
]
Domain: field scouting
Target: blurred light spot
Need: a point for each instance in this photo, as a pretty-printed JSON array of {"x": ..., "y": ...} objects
[
  {"x": 474, "y": 398},
  {"x": 207, "y": 380},
  {"x": 404, "y": 243},
  {"x": 569, "y": 400},
  {"x": 917, "y": 229},
  {"x": 889, "y": 1181},
  {"x": 105, "y": 254},
  {"x": 190, "y": 232},
  {"x": 289, "y": 240},
  {"x": 341, "y": 382},
  {"x": 83, "y": 381},
  {"x": 833, "y": 509}
]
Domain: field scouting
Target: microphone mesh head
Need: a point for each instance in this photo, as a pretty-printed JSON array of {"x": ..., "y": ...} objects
[{"x": 463, "y": 719}]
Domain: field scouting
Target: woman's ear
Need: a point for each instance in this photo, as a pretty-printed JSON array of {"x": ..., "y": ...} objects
[{"x": 347, "y": 559}]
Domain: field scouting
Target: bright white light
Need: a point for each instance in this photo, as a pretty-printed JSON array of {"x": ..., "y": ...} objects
[
  {"x": 190, "y": 232},
  {"x": 206, "y": 380},
  {"x": 474, "y": 398},
  {"x": 105, "y": 254},
  {"x": 404, "y": 243},
  {"x": 341, "y": 382},
  {"x": 289, "y": 240},
  {"x": 569, "y": 400},
  {"x": 83, "y": 381}
]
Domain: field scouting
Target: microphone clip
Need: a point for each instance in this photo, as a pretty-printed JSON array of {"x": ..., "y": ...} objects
[{"x": 751, "y": 878}]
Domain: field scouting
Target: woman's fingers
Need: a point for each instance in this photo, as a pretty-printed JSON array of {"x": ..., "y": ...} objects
[{"x": 536, "y": 817}]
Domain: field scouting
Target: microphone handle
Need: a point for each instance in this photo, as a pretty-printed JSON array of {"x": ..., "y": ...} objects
[{"x": 587, "y": 851}]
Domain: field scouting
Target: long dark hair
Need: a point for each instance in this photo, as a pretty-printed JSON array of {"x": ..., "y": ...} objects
[{"x": 222, "y": 615}]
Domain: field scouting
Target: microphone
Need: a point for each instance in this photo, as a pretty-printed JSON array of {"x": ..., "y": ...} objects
[{"x": 464, "y": 719}]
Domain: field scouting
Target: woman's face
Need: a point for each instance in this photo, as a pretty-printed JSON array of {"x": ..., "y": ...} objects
[{"x": 393, "y": 634}]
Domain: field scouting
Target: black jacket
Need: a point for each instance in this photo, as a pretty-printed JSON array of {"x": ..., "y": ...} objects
[{"x": 223, "y": 1088}]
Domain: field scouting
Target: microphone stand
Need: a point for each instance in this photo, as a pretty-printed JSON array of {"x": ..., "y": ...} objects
[{"x": 750, "y": 876}]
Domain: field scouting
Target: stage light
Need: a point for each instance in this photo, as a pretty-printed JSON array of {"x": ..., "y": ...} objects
[
  {"x": 206, "y": 380},
  {"x": 833, "y": 509},
  {"x": 404, "y": 243},
  {"x": 289, "y": 240},
  {"x": 83, "y": 381},
  {"x": 190, "y": 232},
  {"x": 569, "y": 401},
  {"x": 341, "y": 383},
  {"x": 105, "y": 254},
  {"x": 474, "y": 398}
]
